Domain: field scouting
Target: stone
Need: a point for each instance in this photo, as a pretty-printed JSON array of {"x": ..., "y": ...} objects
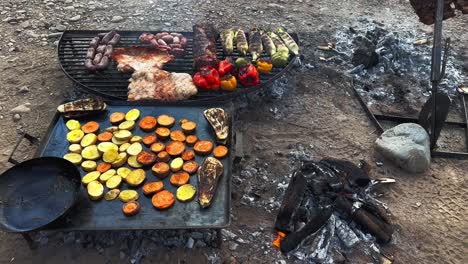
[
  {"x": 167, "y": 24},
  {"x": 75, "y": 18},
  {"x": 233, "y": 246},
  {"x": 69, "y": 8},
  {"x": 407, "y": 145},
  {"x": 197, "y": 235},
  {"x": 24, "y": 89},
  {"x": 68, "y": 1},
  {"x": 60, "y": 27},
  {"x": 116, "y": 19},
  {"x": 16, "y": 117},
  {"x": 276, "y": 5},
  {"x": 24, "y": 108},
  {"x": 190, "y": 242}
]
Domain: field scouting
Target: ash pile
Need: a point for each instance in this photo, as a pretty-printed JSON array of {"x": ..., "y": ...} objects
[
  {"x": 391, "y": 66},
  {"x": 329, "y": 213}
]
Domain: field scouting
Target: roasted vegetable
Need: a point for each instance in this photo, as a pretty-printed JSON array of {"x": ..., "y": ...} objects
[
  {"x": 207, "y": 78},
  {"x": 135, "y": 177},
  {"x": 241, "y": 62},
  {"x": 228, "y": 83},
  {"x": 74, "y": 158},
  {"x": 190, "y": 166},
  {"x": 227, "y": 40},
  {"x": 226, "y": 67},
  {"x": 175, "y": 148},
  {"x": 146, "y": 158},
  {"x": 90, "y": 153},
  {"x": 203, "y": 147},
  {"x": 134, "y": 149},
  {"x": 208, "y": 177},
  {"x": 89, "y": 177},
  {"x": 132, "y": 115},
  {"x": 241, "y": 42},
  {"x": 163, "y": 199},
  {"x": 186, "y": 192},
  {"x": 103, "y": 167},
  {"x": 75, "y": 136},
  {"x": 288, "y": 40},
  {"x": 166, "y": 120},
  {"x": 88, "y": 139},
  {"x": 107, "y": 175},
  {"x": 157, "y": 147},
  {"x": 152, "y": 187},
  {"x": 188, "y": 155},
  {"x": 264, "y": 66},
  {"x": 95, "y": 190},
  {"x": 82, "y": 107},
  {"x": 89, "y": 165},
  {"x": 117, "y": 117},
  {"x": 132, "y": 162},
  {"x": 131, "y": 208},
  {"x": 105, "y": 146},
  {"x": 127, "y": 125},
  {"x": 180, "y": 178},
  {"x": 188, "y": 127},
  {"x": 218, "y": 119},
  {"x": 75, "y": 148},
  {"x": 279, "y": 44},
  {"x": 90, "y": 127},
  {"x": 163, "y": 156},
  {"x": 105, "y": 136},
  {"x": 135, "y": 139},
  {"x": 280, "y": 59},
  {"x": 73, "y": 125},
  {"x": 111, "y": 194},
  {"x": 128, "y": 195},
  {"x": 120, "y": 161},
  {"x": 248, "y": 76},
  {"x": 191, "y": 140},
  {"x": 255, "y": 44},
  {"x": 220, "y": 151},
  {"x": 149, "y": 139},
  {"x": 161, "y": 170},
  {"x": 268, "y": 44},
  {"x": 110, "y": 156},
  {"x": 123, "y": 172},
  {"x": 148, "y": 123},
  {"x": 163, "y": 132},
  {"x": 177, "y": 135},
  {"x": 114, "y": 182}
]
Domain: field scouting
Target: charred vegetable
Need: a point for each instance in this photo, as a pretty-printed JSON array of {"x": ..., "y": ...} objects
[
  {"x": 241, "y": 42},
  {"x": 248, "y": 76},
  {"x": 208, "y": 177},
  {"x": 207, "y": 79},
  {"x": 264, "y": 66},
  {"x": 268, "y": 44},
  {"x": 218, "y": 119},
  {"x": 288, "y": 40},
  {"x": 82, "y": 107},
  {"x": 279, "y": 44},
  {"x": 280, "y": 58},
  {"x": 227, "y": 39},
  {"x": 255, "y": 44}
]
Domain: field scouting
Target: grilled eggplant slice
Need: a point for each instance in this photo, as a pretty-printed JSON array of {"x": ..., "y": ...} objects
[
  {"x": 218, "y": 119},
  {"x": 82, "y": 107},
  {"x": 209, "y": 174}
]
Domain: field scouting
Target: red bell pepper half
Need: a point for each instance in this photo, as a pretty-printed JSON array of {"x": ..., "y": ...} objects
[
  {"x": 248, "y": 75},
  {"x": 207, "y": 78}
]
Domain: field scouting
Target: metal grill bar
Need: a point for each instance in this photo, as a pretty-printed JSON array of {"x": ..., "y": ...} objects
[{"x": 111, "y": 84}]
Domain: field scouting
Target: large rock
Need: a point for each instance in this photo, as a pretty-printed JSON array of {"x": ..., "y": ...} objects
[{"x": 407, "y": 145}]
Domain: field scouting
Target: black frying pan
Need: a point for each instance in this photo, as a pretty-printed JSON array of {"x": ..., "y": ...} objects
[{"x": 36, "y": 192}]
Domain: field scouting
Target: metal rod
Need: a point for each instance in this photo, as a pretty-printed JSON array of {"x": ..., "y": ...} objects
[
  {"x": 463, "y": 101},
  {"x": 369, "y": 114},
  {"x": 435, "y": 69},
  {"x": 405, "y": 119}
]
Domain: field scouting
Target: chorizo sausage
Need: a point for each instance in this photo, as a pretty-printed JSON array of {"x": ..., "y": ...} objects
[
  {"x": 94, "y": 42},
  {"x": 89, "y": 65},
  {"x": 97, "y": 58},
  {"x": 103, "y": 63},
  {"x": 114, "y": 40},
  {"x": 90, "y": 53},
  {"x": 108, "y": 37},
  {"x": 108, "y": 50}
]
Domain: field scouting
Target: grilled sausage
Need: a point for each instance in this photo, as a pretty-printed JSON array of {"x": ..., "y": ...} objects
[
  {"x": 162, "y": 42},
  {"x": 90, "y": 53},
  {"x": 101, "y": 49},
  {"x": 97, "y": 58},
  {"x": 146, "y": 37},
  {"x": 168, "y": 39},
  {"x": 89, "y": 65},
  {"x": 176, "y": 40},
  {"x": 115, "y": 40},
  {"x": 94, "y": 42},
  {"x": 108, "y": 37},
  {"x": 183, "y": 42},
  {"x": 108, "y": 50},
  {"x": 154, "y": 42},
  {"x": 103, "y": 64},
  {"x": 178, "y": 52},
  {"x": 175, "y": 46}
]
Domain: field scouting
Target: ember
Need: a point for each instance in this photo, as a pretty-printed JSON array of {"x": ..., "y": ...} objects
[{"x": 327, "y": 198}]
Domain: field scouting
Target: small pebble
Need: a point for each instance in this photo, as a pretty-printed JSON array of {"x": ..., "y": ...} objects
[{"x": 16, "y": 117}]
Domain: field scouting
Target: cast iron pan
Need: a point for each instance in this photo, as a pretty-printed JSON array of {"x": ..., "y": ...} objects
[{"x": 36, "y": 192}]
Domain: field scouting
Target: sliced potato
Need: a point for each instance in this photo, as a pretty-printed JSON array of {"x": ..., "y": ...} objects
[
  {"x": 118, "y": 142},
  {"x": 123, "y": 172},
  {"x": 75, "y": 136},
  {"x": 134, "y": 149},
  {"x": 132, "y": 115},
  {"x": 127, "y": 125},
  {"x": 73, "y": 124},
  {"x": 107, "y": 175},
  {"x": 176, "y": 164},
  {"x": 136, "y": 139},
  {"x": 133, "y": 162},
  {"x": 105, "y": 146},
  {"x": 88, "y": 140},
  {"x": 73, "y": 158},
  {"x": 75, "y": 148},
  {"x": 91, "y": 153},
  {"x": 92, "y": 176},
  {"x": 135, "y": 177},
  {"x": 128, "y": 195},
  {"x": 110, "y": 156},
  {"x": 112, "y": 129},
  {"x": 95, "y": 190},
  {"x": 186, "y": 192},
  {"x": 124, "y": 147},
  {"x": 123, "y": 135},
  {"x": 114, "y": 182},
  {"x": 120, "y": 161},
  {"x": 89, "y": 165},
  {"x": 112, "y": 194}
]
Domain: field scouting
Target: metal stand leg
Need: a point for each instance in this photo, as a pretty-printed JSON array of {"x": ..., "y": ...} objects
[{"x": 31, "y": 243}]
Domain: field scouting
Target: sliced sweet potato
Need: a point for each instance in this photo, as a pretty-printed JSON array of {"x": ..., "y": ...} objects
[
  {"x": 163, "y": 132},
  {"x": 157, "y": 147},
  {"x": 131, "y": 208},
  {"x": 148, "y": 123},
  {"x": 163, "y": 156},
  {"x": 190, "y": 166},
  {"x": 117, "y": 117},
  {"x": 90, "y": 127},
  {"x": 180, "y": 178},
  {"x": 149, "y": 139},
  {"x": 105, "y": 136},
  {"x": 191, "y": 140},
  {"x": 188, "y": 127},
  {"x": 103, "y": 167},
  {"x": 175, "y": 148},
  {"x": 163, "y": 199},
  {"x": 166, "y": 120},
  {"x": 146, "y": 158},
  {"x": 188, "y": 155},
  {"x": 203, "y": 147},
  {"x": 177, "y": 135},
  {"x": 220, "y": 151},
  {"x": 152, "y": 187},
  {"x": 161, "y": 170}
]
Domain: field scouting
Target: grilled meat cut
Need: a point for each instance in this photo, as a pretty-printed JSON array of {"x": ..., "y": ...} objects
[
  {"x": 204, "y": 46},
  {"x": 140, "y": 58},
  {"x": 160, "y": 85}
]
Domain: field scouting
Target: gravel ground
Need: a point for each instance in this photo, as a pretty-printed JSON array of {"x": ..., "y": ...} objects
[{"x": 311, "y": 114}]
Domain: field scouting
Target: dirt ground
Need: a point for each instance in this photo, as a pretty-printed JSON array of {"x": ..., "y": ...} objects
[{"x": 318, "y": 111}]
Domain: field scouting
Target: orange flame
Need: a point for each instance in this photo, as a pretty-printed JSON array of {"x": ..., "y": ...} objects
[{"x": 277, "y": 242}]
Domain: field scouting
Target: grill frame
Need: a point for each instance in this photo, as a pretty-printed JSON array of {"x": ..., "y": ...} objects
[{"x": 113, "y": 85}]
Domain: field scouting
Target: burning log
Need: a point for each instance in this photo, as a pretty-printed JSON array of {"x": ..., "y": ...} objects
[
  {"x": 355, "y": 176},
  {"x": 375, "y": 225}
]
